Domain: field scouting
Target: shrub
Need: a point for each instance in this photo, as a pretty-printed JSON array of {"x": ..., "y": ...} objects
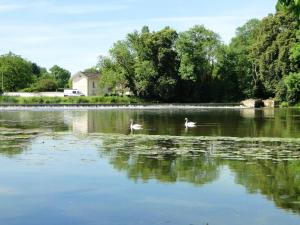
[
  {"x": 8, "y": 100},
  {"x": 284, "y": 105},
  {"x": 47, "y": 85},
  {"x": 292, "y": 81},
  {"x": 29, "y": 89}
]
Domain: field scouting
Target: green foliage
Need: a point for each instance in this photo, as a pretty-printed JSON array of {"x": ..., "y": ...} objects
[
  {"x": 92, "y": 70},
  {"x": 227, "y": 76},
  {"x": 281, "y": 91},
  {"x": 295, "y": 52},
  {"x": 61, "y": 76},
  {"x": 16, "y": 72},
  {"x": 70, "y": 84},
  {"x": 142, "y": 60},
  {"x": 159, "y": 65},
  {"x": 197, "y": 49},
  {"x": 284, "y": 105},
  {"x": 289, "y": 5},
  {"x": 110, "y": 77},
  {"x": 293, "y": 87},
  {"x": 21, "y": 75},
  {"x": 276, "y": 37},
  {"x": 46, "y": 84},
  {"x": 70, "y": 100},
  {"x": 243, "y": 59},
  {"x": 195, "y": 66}
]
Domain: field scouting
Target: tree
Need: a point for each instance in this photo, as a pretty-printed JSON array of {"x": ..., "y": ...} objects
[
  {"x": 121, "y": 65},
  {"x": 197, "y": 49},
  {"x": 61, "y": 75},
  {"x": 290, "y": 5},
  {"x": 292, "y": 81},
  {"x": 295, "y": 53},
  {"x": 245, "y": 68},
  {"x": 276, "y": 37},
  {"x": 16, "y": 71},
  {"x": 156, "y": 65},
  {"x": 46, "y": 84},
  {"x": 194, "y": 66},
  {"x": 227, "y": 86},
  {"x": 36, "y": 70},
  {"x": 145, "y": 62}
]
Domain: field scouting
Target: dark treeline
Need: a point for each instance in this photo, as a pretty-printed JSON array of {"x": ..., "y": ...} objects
[{"x": 261, "y": 61}]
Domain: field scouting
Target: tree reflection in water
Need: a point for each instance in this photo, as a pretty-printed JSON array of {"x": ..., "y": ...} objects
[
  {"x": 15, "y": 141},
  {"x": 274, "y": 172},
  {"x": 279, "y": 181}
]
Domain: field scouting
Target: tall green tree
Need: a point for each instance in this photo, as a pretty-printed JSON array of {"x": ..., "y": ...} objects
[
  {"x": 118, "y": 68},
  {"x": 15, "y": 72},
  {"x": 156, "y": 67},
  {"x": 276, "y": 37},
  {"x": 146, "y": 62},
  {"x": 227, "y": 86},
  {"x": 245, "y": 67},
  {"x": 197, "y": 49},
  {"x": 61, "y": 75}
]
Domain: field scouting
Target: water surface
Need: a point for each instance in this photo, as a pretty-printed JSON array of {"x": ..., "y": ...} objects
[{"x": 238, "y": 166}]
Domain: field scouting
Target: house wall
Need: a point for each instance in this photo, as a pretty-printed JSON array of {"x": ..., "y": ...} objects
[
  {"x": 93, "y": 86},
  {"x": 81, "y": 84}
]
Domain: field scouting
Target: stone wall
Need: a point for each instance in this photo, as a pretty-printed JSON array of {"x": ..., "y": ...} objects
[
  {"x": 257, "y": 103},
  {"x": 37, "y": 94}
]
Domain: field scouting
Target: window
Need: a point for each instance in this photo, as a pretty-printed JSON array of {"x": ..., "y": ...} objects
[
  {"x": 93, "y": 84},
  {"x": 74, "y": 92}
]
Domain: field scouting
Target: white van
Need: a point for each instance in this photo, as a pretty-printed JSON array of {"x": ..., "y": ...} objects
[{"x": 72, "y": 92}]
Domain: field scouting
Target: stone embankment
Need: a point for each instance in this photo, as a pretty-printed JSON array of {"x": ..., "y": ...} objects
[{"x": 257, "y": 103}]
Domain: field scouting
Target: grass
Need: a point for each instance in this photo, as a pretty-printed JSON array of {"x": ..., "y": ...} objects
[{"x": 70, "y": 100}]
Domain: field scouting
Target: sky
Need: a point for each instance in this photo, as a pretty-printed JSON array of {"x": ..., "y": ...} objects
[{"x": 74, "y": 33}]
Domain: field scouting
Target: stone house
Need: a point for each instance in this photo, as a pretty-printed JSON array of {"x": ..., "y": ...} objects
[{"x": 86, "y": 83}]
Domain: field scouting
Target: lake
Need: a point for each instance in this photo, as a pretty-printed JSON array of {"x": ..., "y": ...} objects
[{"x": 238, "y": 166}]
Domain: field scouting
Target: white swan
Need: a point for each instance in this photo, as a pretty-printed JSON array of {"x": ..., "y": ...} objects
[
  {"x": 189, "y": 124},
  {"x": 135, "y": 126}
]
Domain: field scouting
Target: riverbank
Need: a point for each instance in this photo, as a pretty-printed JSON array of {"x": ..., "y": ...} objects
[
  {"x": 11, "y": 102},
  {"x": 99, "y": 102},
  {"x": 40, "y": 101}
]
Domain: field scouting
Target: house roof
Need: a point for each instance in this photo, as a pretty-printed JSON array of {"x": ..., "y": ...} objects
[{"x": 84, "y": 74}]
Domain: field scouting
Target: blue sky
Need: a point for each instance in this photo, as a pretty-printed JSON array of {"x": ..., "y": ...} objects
[{"x": 73, "y": 33}]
